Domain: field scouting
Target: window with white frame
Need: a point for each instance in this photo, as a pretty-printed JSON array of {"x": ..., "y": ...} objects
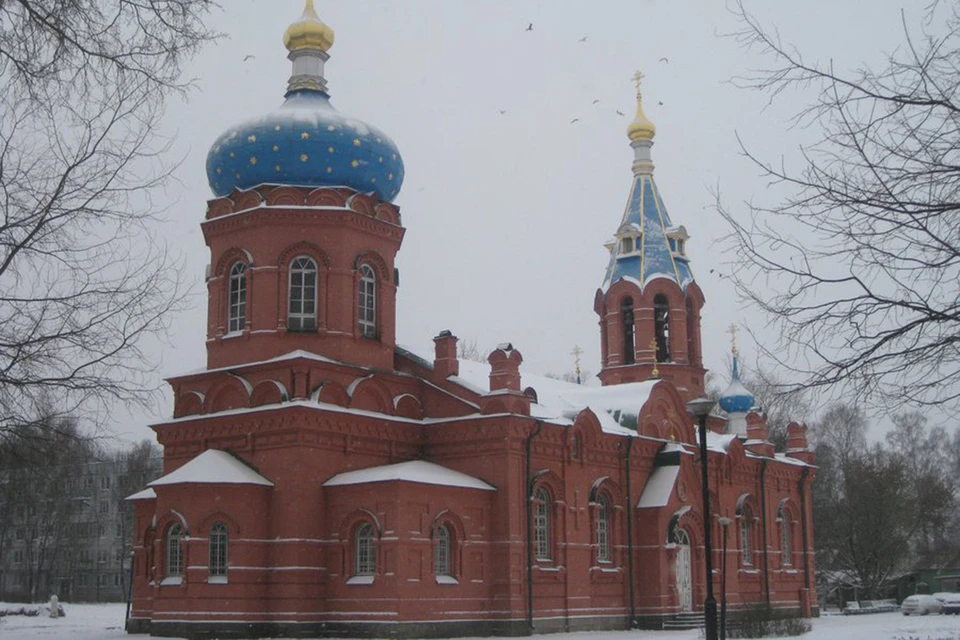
[
  {"x": 786, "y": 549},
  {"x": 364, "y": 553},
  {"x": 218, "y": 549},
  {"x": 441, "y": 551},
  {"x": 746, "y": 535},
  {"x": 237, "y": 313},
  {"x": 174, "y": 551},
  {"x": 302, "y": 303},
  {"x": 541, "y": 524},
  {"x": 603, "y": 529},
  {"x": 367, "y": 302}
]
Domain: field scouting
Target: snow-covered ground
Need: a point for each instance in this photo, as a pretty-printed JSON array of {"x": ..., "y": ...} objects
[{"x": 105, "y": 622}]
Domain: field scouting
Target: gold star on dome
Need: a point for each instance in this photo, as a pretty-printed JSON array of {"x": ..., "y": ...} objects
[
  {"x": 389, "y": 176},
  {"x": 304, "y": 157},
  {"x": 354, "y": 164},
  {"x": 251, "y": 138},
  {"x": 276, "y": 167},
  {"x": 276, "y": 128},
  {"x": 219, "y": 171},
  {"x": 380, "y": 159},
  {"x": 276, "y": 147},
  {"x": 329, "y": 169},
  {"x": 330, "y": 127},
  {"x": 394, "y": 156},
  {"x": 356, "y": 142},
  {"x": 329, "y": 149},
  {"x": 233, "y": 155},
  {"x": 253, "y": 160},
  {"x": 304, "y": 136}
]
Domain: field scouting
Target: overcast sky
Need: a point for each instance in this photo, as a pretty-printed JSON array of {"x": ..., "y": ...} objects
[{"x": 506, "y": 214}]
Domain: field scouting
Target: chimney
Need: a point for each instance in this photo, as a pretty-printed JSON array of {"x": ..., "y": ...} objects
[
  {"x": 757, "y": 435},
  {"x": 445, "y": 361},
  {"x": 505, "y": 368},
  {"x": 797, "y": 445}
]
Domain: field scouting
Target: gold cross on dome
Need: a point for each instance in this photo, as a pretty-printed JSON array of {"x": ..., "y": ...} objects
[
  {"x": 733, "y": 330},
  {"x": 576, "y": 353},
  {"x": 637, "y": 79}
]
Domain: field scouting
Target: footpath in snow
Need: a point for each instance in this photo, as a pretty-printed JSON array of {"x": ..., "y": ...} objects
[{"x": 105, "y": 622}]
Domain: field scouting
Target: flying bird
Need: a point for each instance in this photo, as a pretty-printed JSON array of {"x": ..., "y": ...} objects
[
  {"x": 502, "y": 111},
  {"x": 583, "y": 39},
  {"x": 660, "y": 102},
  {"x": 619, "y": 113},
  {"x": 595, "y": 101},
  {"x": 248, "y": 56},
  {"x": 529, "y": 27},
  {"x": 575, "y": 120},
  {"x": 664, "y": 60}
]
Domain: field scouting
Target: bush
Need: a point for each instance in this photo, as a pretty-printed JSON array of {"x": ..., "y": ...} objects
[{"x": 762, "y": 622}]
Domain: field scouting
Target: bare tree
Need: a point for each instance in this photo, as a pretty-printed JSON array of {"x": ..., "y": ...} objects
[
  {"x": 858, "y": 266},
  {"x": 139, "y": 464},
  {"x": 83, "y": 282}
]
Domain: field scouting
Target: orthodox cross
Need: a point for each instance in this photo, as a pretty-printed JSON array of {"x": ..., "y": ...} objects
[
  {"x": 637, "y": 79},
  {"x": 733, "y": 338},
  {"x": 577, "y": 351},
  {"x": 653, "y": 346}
]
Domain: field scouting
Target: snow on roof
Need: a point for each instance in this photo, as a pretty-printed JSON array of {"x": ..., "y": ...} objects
[
  {"x": 413, "y": 471},
  {"x": 616, "y": 406},
  {"x": 657, "y": 491},
  {"x": 298, "y": 353},
  {"x": 146, "y": 494},
  {"x": 213, "y": 467}
]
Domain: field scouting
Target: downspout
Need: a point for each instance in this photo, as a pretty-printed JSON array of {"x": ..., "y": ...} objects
[
  {"x": 803, "y": 526},
  {"x": 529, "y": 463},
  {"x": 763, "y": 514},
  {"x": 630, "y": 576}
]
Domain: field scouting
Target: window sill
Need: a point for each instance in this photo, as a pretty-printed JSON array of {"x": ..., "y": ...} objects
[
  {"x": 361, "y": 580},
  {"x": 172, "y": 580},
  {"x": 217, "y": 580},
  {"x": 231, "y": 335},
  {"x": 447, "y": 580}
]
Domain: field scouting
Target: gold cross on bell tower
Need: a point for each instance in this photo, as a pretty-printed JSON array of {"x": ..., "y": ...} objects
[
  {"x": 576, "y": 353},
  {"x": 653, "y": 347},
  {"x": 637, "y": 79}
]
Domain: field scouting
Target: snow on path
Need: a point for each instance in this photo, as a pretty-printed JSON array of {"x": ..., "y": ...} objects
[{"x": 105, "y": 622}]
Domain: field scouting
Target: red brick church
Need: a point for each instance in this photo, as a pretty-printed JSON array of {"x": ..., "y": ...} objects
[{"x": 321, "y": 480}]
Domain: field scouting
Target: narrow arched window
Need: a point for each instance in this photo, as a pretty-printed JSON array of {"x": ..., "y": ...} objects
[
  {"x": 218, "y": 549},
  {"x": 661, "y": 327},
  {"x": 441, "y": 552},
  {"x": 626, "y": 321},
  {"x": 302, "y": 302},
  {"x": 237, "y": 315},
  {"x": 367, "y": 302},
  {"x": 366, "y": 560},
  {"x": 603, "y": 529},
  {"x": 786, "y": 550},
  {"x": 174, "y": 551},
  {"x": 746, "y": 536},
  {"x": 541, "y": 524}
]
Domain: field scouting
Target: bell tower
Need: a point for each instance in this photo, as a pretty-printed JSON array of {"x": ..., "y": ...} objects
[{"x": 649, "y": 303}]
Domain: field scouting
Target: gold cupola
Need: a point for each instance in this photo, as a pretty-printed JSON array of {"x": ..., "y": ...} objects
[
  {"x": 641, "y": 128},
  {"x": 309, "y": 32}
]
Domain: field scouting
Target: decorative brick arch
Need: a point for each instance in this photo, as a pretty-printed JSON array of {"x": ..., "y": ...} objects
[
  {"x": 376, "y": 262},
  {"x": 605, "y": 485},
  {"x": 331, "y": 392},
  {"x": 229, "y": 393},
  {"x": 553, "y": 483},
  {"x": 169, "y": 519},
  {"x": 407, "y": 406},
  {"x": 362, "y": 204},
  {"x": 303, "y": 248},
  {"x": 230, "y": 257},
  {"x": 354, "y": 519},
  {"x": 387, "y": 213},
  {"x": 325, "y": 197},
  {"x": 370, "y": 394},
  {"x": 268, "y": 392},
  {"x": 219, "y": 207},
  {"x": 233, "y": 527},
  {"x": 189, "y": 403},
  {"x": 286, "y": 196},
  {"x": 249, "y": 199}
]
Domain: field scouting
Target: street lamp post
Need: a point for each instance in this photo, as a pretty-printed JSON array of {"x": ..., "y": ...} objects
[
  {"x": 725, "y": 523},
  {"x": 700, "y": 409}
]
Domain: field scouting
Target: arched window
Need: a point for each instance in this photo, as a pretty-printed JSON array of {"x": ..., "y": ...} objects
[
  {"x": 174, "y": 551},
  {"x": 237, "y": 315},
  {"x": 541, "y": 524},
  {"x": 786, "y": 549},
  {"x": 603, "y": 529},
  {"x": 692, "y": 357},
  {"x": 302, "y": 303},
  {"x": 441, "y": 552},
  {"x": 366, "y": 559},
  {"x": 661, "y": 326},
  {"x": 626, "y": 320},
  {"x": 218, "y": 549},
  {"x": 746, "y": 535},
  {"x": 368, "y": 302}
]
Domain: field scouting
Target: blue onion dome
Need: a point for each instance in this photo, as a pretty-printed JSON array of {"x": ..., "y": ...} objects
[
  {"x": 736, "y": 399},
  {"x": 306, "y": 141}
]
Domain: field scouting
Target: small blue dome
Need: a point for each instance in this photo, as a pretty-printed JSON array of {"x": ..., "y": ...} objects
[
  {"x": 736, "y": 399},
  {"x": 306, "y": 142}
]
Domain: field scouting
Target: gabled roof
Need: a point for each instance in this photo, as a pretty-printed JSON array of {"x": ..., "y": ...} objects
[
  {"x": 213, "y": 467},
  {"x": 146, "y": 494},
  {"x": 413, "y": 471}
]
